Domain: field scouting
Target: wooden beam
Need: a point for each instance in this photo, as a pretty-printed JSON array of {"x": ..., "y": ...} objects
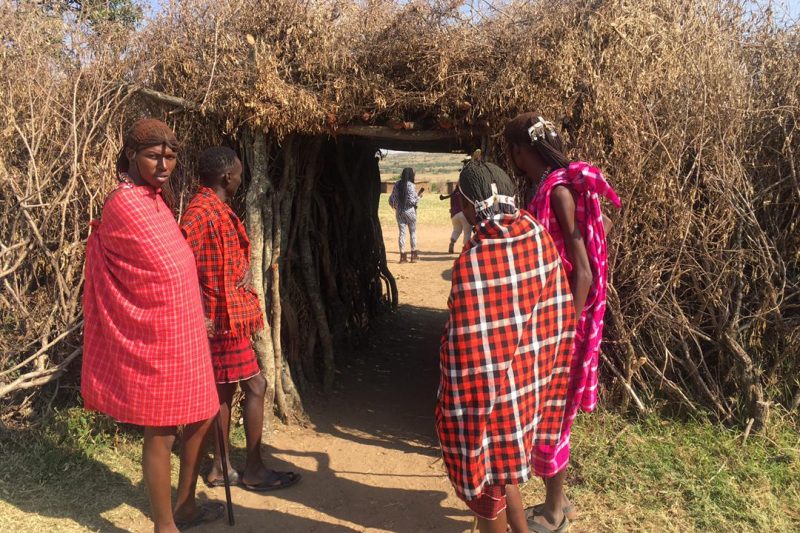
[
  {"x": 157, "y": 96},
  {"x": 384, "y": 133},
  {"x": 164, "y": 98}
]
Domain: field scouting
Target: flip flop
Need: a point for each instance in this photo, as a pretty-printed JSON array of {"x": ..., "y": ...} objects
[
  {"x": 209, "y": 512},
  {"x": 536, "y": 527},
  {"x": 569, "y": 511},
  {"x": 234, "y": 477},
  {"x": 275, "y": 481}
]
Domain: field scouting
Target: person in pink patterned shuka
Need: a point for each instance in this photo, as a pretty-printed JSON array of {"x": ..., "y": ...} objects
[{"x": 567, "y": 203}]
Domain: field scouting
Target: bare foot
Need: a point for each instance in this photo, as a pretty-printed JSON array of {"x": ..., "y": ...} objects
[
  {"x": 551, "y": 521},
  {"x": 215, "y": 478},
  {"x": 569, "y": 508},
  {"x": 167, "y": 528},
  {"x": 192, "y": 515},
  {"x": 257, "y": 475}
]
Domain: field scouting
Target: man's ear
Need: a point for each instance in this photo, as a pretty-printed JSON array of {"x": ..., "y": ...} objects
[
  {"x": 130, "y": 153},
  {"x": 226, "y": 180}
]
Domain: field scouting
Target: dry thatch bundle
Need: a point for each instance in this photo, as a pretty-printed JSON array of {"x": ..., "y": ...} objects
[{"x": 690, "y": 107}]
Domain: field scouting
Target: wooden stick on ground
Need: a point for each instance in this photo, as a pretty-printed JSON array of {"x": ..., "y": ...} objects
[{"x": 225, "y": 477}]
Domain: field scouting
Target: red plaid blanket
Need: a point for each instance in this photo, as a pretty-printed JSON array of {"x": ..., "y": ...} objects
[
  {"x": 222, "y": 250},
  {"x": 505, "y": 354},
  {"x": 146, "y": 358}
]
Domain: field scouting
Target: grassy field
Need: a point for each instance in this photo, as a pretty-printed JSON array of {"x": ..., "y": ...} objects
[
  {"x": 661, "y": 475},
  {"x": 82, "y": 473},
  {"x": 431, "y": 211},
  {"x": 436, "y": 168}
]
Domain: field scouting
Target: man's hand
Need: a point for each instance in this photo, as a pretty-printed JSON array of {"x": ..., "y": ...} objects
[
  {"x": 209, "y": 327},
  {"x": 247, "y": 280}
]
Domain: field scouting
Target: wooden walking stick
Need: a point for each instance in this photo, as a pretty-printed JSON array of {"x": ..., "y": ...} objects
[{"x": 225, "y": 478}]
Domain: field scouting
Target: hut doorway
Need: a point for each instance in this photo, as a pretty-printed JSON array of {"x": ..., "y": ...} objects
[
  {"x": 377, "y": 424},
  {"x": 325, "y": 265},
  {"x": 435, "y": 178},
  {"x": 386, "y": 385}
]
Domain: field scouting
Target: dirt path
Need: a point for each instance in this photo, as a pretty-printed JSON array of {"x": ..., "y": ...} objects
[{"x": 369, "y": 459}]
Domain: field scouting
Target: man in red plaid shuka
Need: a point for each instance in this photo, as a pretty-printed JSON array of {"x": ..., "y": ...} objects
[
  {"x": 505, "y": 354},
  {"x": 222, "y": 253}
]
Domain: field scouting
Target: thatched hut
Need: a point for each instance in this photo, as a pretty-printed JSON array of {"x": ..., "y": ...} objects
[{"x": 691, "y": 107}]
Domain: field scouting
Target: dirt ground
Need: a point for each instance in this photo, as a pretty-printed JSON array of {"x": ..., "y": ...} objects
[{"x": 369, "y": 458}]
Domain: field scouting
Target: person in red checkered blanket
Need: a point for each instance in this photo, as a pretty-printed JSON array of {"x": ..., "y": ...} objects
[
  {"x": 505, "y": 354},
  {"x": 222, "y": 252},
  {"x": 145, "y": 352}
]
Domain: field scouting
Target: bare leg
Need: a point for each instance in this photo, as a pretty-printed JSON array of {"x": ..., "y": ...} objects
[
  {"x": 191, "y": 444},
  {"x": 225, "y": 392},
  {"x": 156, "y": 454},
  {"x": 553, "y": 509},
  {"x": 498, "y": 525},
  {"x": 515, "y": 512},
  {"x": 254, "y": 390},
  {"x": 562, "y": 480}
]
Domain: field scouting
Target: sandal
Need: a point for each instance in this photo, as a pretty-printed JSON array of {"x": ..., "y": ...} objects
[
  {"x": 569, "y": 511},
  {"x": 536, "y": 527},
  {"x": 275, "y": 481},
  {"x": 234, "y": 477},
  {"x": 207, "y": 513}
]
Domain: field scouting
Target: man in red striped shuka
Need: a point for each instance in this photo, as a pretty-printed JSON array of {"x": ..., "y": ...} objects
[
  {"x": 222, "y": 253},
  {"x": 145, "y": 351},
  {"x": 505, "y": 355}
]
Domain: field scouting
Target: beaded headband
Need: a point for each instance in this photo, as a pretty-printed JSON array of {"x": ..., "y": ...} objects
[{"x": 540, "y": 130}]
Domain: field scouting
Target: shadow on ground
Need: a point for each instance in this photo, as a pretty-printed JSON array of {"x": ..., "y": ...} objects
[
  {"x": 51, "y": 476},
  {"x": 388, "y": 386},
  {"x": 329, "y": 493}
]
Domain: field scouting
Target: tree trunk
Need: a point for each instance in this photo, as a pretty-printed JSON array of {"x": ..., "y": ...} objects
[
  {"x": 310, "y": 273},
  {"x": 258, "y": 195}
]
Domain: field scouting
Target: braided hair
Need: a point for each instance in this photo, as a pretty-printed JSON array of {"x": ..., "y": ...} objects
[
  {"x": 145, "y": 133},
  {"x": 213, "y": 163},
  {"x": 530, "y": 129},
  {"x": 488, "y": 188},
  {"x": 406, "y": 177}
]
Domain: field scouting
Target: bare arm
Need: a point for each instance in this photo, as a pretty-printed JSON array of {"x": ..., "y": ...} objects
[
  {"x": 581, "y": 277},
  {"x": 608, "y": 225}
]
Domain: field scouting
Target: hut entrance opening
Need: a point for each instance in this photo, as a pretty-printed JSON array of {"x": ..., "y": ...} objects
[{"x": 319, "y": 254}]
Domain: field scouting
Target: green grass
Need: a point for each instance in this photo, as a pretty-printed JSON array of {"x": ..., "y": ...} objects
[
  {"x": 77, "y": 471},
  {"x": 426, "y": 165},
  {"x": 431, "y": 211},
  {"x": 80, "y": 472},
  {"x": 661, "y": 475}
]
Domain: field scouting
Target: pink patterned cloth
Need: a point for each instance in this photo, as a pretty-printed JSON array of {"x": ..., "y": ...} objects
[{"x": 587, "y": 184}]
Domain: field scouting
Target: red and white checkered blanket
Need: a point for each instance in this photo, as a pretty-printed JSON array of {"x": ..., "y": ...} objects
[{"x": 505, "y": 355}]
